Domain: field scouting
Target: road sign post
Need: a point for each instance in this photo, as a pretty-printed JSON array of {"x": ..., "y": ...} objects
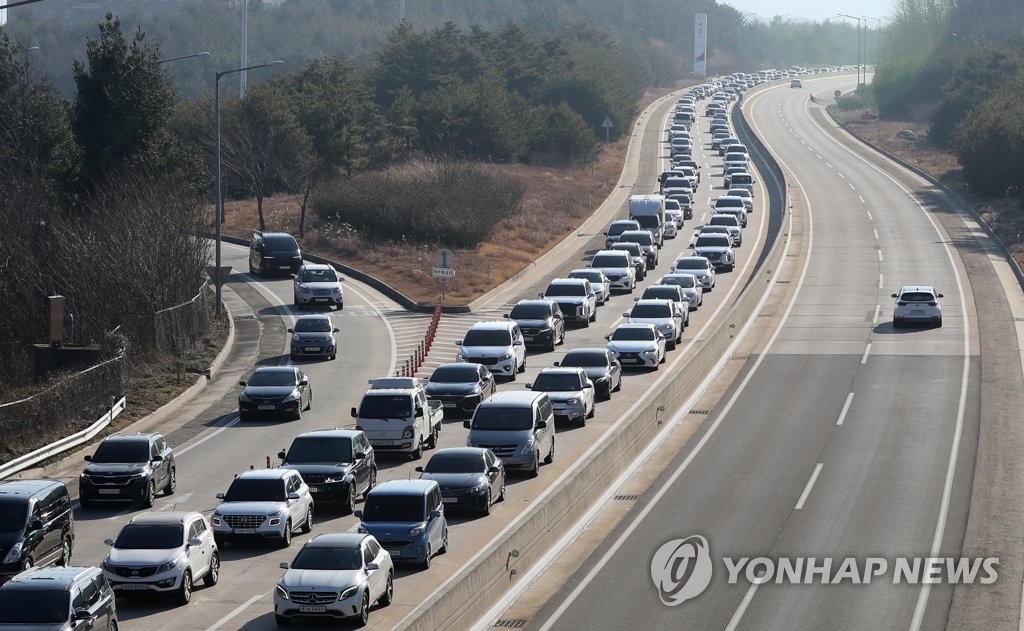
[
  {"x": 607, "y": 124},
  {"x": 444, "y": 269}
]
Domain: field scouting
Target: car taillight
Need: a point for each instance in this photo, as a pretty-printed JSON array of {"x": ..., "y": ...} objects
[
  {"x": 933, "y": 304},
  {"x": 901, "y": 303}
]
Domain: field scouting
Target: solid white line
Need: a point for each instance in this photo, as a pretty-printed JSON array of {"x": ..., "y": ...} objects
[
  {"x": 867, "y": 351},
  {"x": 185, "y": 450},
  {"x": 876, "y": 233},
  {"x": 878, "y": 313},
  {"x": 237, "y": 610},
  {"x": 846, "y": 408},
  {"x": 585, "y": 582},
  {"x": 807, "y": 489},
  {"x": 734, "y": 622}
]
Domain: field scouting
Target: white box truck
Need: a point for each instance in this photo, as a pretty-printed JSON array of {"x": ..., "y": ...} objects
[{"x": 649, "y": 212}]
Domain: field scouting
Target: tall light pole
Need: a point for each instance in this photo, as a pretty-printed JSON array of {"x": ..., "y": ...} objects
[
  {"x": 859, "y": 20},
  {"x": 878, "y": 51},
  {"x": 219, "y": 219},
  {"x": 245, "y": 47},
  {"x": 202, "y": 54}
]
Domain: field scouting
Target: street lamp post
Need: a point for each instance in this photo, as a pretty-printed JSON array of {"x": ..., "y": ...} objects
[
  {"x": 219, "y": 282},
  {"x": 202, "y": 54},
  {"x": 878, "y": 49},
  {"x": 859, "y": 20}
]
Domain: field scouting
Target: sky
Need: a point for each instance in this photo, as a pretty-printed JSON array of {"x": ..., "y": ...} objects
[{"x": 813, "y": 10}]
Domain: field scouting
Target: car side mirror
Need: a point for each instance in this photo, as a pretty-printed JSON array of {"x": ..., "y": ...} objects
[
  {"x": 895, "y": 296},
  {"x": 588, "y": 385},
  {"x": 157, "y": 458},
  {"x": 195, "y": 541},
  {"x": 505, "y": 316},
  {"x": 608, "y": 337},
  {"x": 304, "y": 382},
  {"x": 35, "y": 524},
  {"x": 360, "y": 455},
  {"x": 458, "y": 342},
  {"x": 493, "y": 469},
  {"x": 528, "y": 386},
  {"x": 355, "y": 414},
  {"x": 625, "y": 314},
  {"x": 281, "y": 454},
  {"x": 372, "y": 566},
  {"x": 82, "y": 614},
  {"x": 419, "y": 413},
  {"x": 467, "y": 424},
  {"x": 557, "y": 364},
  {"x": 283, "y": 565},
  {"x": 336, "y": 330},
  {"x": 220, "y": 496},
  {"x": 108, "y": 542},
  {"x": 418, "y": 469},
  {"x": 241, "y": 383},
  {"x": 293, "y": 496},
  {"x": 693, "y": 245},
  {"x": 540, "y": 294},
  {"x": 358, "y": 514},
  {"x": 88, "y": 458},
  {"x": 939, "y": 296},
  {"x": 541, "y": 424},
  {"x": 434, "y": 514},
  {"x": 290, "y": 330}
]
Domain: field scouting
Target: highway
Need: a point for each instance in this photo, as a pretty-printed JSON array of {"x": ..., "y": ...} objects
[
  {"x": 843, "y": 436},
  {"x": 212, "y": 446}
]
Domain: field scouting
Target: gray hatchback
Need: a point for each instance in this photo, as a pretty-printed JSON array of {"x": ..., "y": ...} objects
[{"x": 313, "y": 336}]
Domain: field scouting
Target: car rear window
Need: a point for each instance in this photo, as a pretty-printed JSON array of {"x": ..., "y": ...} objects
[
  {"x": 280, "y": 242},
  {"x": 917, "y": 296},
  {"x": 609, "y": 260}
]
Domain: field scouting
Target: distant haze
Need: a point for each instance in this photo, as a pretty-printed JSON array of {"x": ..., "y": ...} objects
[{"x": 811, "y": 10}]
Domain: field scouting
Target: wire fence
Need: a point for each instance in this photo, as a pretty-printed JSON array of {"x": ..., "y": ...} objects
[
  {"x": 73, "y": 402},
  {"x": 179, "y": 329}
]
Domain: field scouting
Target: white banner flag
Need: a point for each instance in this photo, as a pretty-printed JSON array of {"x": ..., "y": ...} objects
[{"x": 700, "y": 45}]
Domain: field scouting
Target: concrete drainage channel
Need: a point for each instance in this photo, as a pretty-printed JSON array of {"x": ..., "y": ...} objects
[{"x": 471, "y": 592}]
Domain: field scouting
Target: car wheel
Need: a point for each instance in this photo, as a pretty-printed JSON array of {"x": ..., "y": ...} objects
[
  {"x": 432, "y": 439},
  {"x": 219, "y": 540},
  {"x": 147, "y": 499},
  {"x": 309, "y": 404},
  {"x": 65, "y": 553},
  {"x": 731, "y": 267},
  {"x": 425, "y": 564},
  {"x": 593, "y": 315},
  {"x": 85, "y": 503},
  {"x": 112, "y": 626},
  {"x": 554, "y": 342},
  {"x": 618, "y": 386},
  {"x": 501, "y": 493},
  {"x": 372, "y": 483},
  {"x": 551, "y": 453},
  {"x": 350, "y": 504},
  {"x": 213, "y": 574},
  {"x": 252, "y": 270},
  {"x": 938, "y": 324},
  {"x": 389, "y": 591},
  {"x": 307, "y": 525},
  {"x": 334, "y": 356},
  {"x": 286, "y": 536},
  {"x": 418, "y": 452},
  {"x": 185, "y": 591},
  {"x": 486, "y": 510},
  {"x": 663, "y": 358},
  {"x": 593, "y": 411},
  {"x": 522, "y": 368},
  {"x": 282, "y": 621},
  {"x": 535, "y": 468},
  {"x": 444, "y": 543},
  {"x": 172, "y": 482},
  {"x": 364, "y": 611},
  {"x": 671, "y": 345},
  {"x": 896, "y": 322}
]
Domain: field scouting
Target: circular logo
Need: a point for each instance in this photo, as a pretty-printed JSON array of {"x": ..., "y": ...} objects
[{"x": 681, "y": 569}]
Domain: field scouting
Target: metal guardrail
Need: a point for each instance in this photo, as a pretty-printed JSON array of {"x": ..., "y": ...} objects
[{"x": 64, "y": 444}]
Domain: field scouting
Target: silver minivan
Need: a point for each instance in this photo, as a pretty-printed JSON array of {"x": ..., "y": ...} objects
[{"x": 519, "y": 427}]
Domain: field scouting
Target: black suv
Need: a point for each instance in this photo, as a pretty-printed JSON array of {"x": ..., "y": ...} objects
[
  {"x": 337, "y": 465},
  {"x": 76, "y": 598},
  {"x": 541, "y": 322},
  {"x": 130, "y": 467},
  {"x": 274, "y": 253},
  {"x": 36, "y": 525}
]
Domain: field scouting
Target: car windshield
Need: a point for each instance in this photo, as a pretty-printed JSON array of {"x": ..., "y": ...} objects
[
  {"x": 499, "y": 418},
  {"x": 456, "y": 374},
  {"x": 386, "y": 406},
  {"x": 633, "y": 334},
  {"x": 488, "y": 337},
  {"x": 648, "y": 221},
  {"x": 150, "y": 537},
  {"x": 566, "y": 289},
  {"x": 618, "y": 228},
  {"x": 328, "y": 558},
  {"x": 532, "y": 311},
  {"x": 643, "y": 238},
  {"x": 917, "y": 296},
  {"x": 741, "y": 178},
  {"x": 34, "y": 606},
  {"x": 401, "y": 508},
  {"x": 672, "y": 204},
  {"x": 13, "y": 515},
  {"x": 326, "y": 449},
  {"x": 455, "y": 463},
  {"x": 720, "y": 220},
  {"x": 255, "y": 490},
  {"x": 632, "y": 248},
  {"x": 263, "y": 378},
  {"x": 651, "y": 311},
  {"x": 712, "y": 241},
  {"x": 692, "y": 264},
  {"x": 738, "y": 192},
  {"x": 549, "y": 382},
  {"x": 319, "y": 276},
  {"x": 279, "y": 242},
  {"x": 609, "y": 260},
  {"x": 115, "y": 451},
  {"x": 584, "y": 359},
  {"x": 662, "y": 293},
  {"x": 313, "y": 325},
  {"x": 677, "y": 182},
  {"x": 594, "y": 276},
  {"x": 682, "y": 281},
  {"x": 682, "y": 198},
  {"x": 714, "y": 230}
]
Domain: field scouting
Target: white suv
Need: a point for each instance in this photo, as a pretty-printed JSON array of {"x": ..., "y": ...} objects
[
  {"x": 618, "y": 267},
  {"x": 163, "y": 552},
  {"x": 497, "y": 345},
  {"x": 318, "y": 284},
  {"x": 575, "y": 297},
  {"x": 916, "y": 303},
  {"x": 263, "y": 504},
  {"x": 663, "y": 314}
]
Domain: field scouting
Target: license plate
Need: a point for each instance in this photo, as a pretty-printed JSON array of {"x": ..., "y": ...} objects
[
  {"x": 320, "y": 299},
  {"x": 917, "y": 312},
  {"x": 265, "y": 407},
  {"x": 449, "y": 500},
  {"x": 284, "y": 266},
  {"x": 109, "y": 491},
  {"x": 132, "y": 587},
  {"x": 395, "y": 553},
  {"x": 628, "y": 361},
  {"x": 384, "y": 443},
  {"x": 447, "y": 405},
  {"x": 314, "y": 489},
  {"x": 528, "y": 338},
  {"x": 245, "y": 531},
  {"x": 312, "y": 609},
  {"x": 311, "y": 349}
]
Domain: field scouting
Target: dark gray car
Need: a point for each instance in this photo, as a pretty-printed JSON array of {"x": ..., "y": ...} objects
[
  {"x": 275, "y": 391},
  {"x": 313, "y": 336},
  {"x": 470, "y": 477},
  {"x": 601, "y": 367}
]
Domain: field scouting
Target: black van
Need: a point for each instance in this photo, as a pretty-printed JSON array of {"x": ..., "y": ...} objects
[
  {"x": 36, "y": 525},
  {"x": 274, "y": 253}
]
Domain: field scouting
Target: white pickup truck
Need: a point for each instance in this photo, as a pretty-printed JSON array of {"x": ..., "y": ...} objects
[{"x": 396, "y": 415}]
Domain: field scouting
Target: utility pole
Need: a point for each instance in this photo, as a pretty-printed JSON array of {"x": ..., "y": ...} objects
[{"x": 245, "y": 48}]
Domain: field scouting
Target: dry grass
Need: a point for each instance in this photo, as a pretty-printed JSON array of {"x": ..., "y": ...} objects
[
  {"x": 556, "y": 202},
  {"x": 1004, "y": 215}
]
